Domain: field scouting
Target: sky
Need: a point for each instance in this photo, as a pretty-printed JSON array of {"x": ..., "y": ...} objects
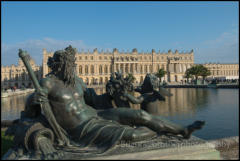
[{"x": 211, "y": 29}]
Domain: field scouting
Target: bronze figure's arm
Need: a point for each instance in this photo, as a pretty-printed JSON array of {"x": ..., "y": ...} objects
[
  {"x": 45, "y": 106},
  {"x": 132, "y": 99}
]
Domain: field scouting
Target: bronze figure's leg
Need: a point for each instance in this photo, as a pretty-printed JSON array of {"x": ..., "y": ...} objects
[
  {"x": 156, "y": 123},
  {"x": 137, "y": 134}
]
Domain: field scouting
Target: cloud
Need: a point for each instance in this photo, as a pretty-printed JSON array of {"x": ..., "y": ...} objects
[
  {"x": 222, "y": 49},
  {"x": 35, "y": 47}
]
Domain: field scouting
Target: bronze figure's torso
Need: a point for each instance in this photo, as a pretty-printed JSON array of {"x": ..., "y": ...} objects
[{"x": 67, "y": 102}]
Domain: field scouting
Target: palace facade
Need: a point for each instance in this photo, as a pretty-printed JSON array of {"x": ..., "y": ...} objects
[
  {"x": 17, "y": 75},
  {"x": 95, "y": 67}
]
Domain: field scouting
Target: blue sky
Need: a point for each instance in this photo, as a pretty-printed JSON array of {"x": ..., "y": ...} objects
[{"x": 211, "y": 29}]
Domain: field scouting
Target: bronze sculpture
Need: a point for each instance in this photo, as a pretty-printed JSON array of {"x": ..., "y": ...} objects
[
  {"x": 58, "y": 115},
  {"x": 119, "y": 93}
]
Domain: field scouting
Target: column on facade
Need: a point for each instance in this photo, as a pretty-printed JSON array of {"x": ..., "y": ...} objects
[
  {"x": 115, "y": 67},
  {"x": 96, "y": 69},
  {"x": 146, "y": 68},
  {"x": 119, "y": 66},
  {"x": 77, "y": 69},
  {"x": 180, "y": 68},
  {"x": 126, "y": 67},
  {"x": 154, "y": 67},
  {"x": 131, "y": 67},
  {"x": 165, "y": 67},
  {"x": 184, "y": 68},
  {"x": 135, "y": 68},
  {"x": 110, "y": 68},
  {"x": 83, "y": 69}
]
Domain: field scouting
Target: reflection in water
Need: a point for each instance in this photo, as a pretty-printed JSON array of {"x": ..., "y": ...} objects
[
  {"x": 11, "y": 107},
  {"x": 218, "y": 107},
  {"x": 183, "y": 102}
]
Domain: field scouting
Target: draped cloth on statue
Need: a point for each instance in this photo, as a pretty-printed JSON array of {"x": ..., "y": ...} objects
[{"x": 99, "y": 134}]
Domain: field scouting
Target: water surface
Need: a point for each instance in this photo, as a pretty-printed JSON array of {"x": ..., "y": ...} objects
[{"x": 218, "y": 107}]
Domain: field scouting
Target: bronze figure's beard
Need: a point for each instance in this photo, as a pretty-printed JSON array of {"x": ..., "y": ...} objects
[
  {"x": 68, "y": 76},
  {"x": 65, "y": 71}
]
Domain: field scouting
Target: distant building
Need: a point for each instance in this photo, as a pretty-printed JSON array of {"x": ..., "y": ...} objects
[
  {"x": 223, "y": 71},
  {"x": 18, "y": 76},
  {"x": 95, "y": 67}
]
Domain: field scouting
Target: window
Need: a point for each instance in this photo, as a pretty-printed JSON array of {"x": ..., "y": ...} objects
[
  {"x": 92, "y": 69},
  {"x": 105, "y": 69},
  {"x": 145, "y": 69},
  {"x": 100, "y": 69},
  {"x": 80, "y": 69},
  {"x": 86, "y": 69}
]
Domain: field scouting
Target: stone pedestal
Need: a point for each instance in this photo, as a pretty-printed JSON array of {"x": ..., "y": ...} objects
[{"x": 161, "y": 147}]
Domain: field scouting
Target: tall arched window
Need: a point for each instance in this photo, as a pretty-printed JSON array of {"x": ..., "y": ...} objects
[
  {"x": 141, "y": 79},
  {"x": 150, "y": 67},
  {"x": 92, "y": 81},
  {"x": 23, "y": 76},
  {"x": 100, "y": 69},
  {"x": 92, "y": 69},
  {"x": 16, "y": 77},
  {"x": 121, "y": 68},
  {"x": 141, "y": 69},
  {"x": 80, "y": 69},
  {"x": 86, "y": 69},
  {"x": 126, "y": 68},
  {"x": 145, "y": 69},
  {"x": 111, "y": 68},
  {"x": 105, "y": 69},
  {"x": 101, "y": 80},
  {"x": 131, "y": 68}
]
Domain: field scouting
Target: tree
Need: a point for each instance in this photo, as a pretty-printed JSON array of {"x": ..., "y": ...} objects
[
  {"x": 161, "y": 72},
  {"x": 195, "y": 70},
  {"x": 199, "y": 70},
  {"x": 188, "y": 74},
  {"x": 204, "y": 73}
]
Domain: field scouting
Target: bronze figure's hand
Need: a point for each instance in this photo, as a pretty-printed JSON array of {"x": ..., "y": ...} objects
[{"x": 40, "y": 96}]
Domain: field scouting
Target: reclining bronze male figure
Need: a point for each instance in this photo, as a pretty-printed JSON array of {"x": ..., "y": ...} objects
[{"x": 82, "y": 124}]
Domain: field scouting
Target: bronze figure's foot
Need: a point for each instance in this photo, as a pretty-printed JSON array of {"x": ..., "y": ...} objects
[
  {"x": 47, "y": 151},
  {"x": 197, "y": 125}
]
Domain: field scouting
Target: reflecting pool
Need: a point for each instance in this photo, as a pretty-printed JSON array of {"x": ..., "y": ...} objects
[{"x": 218, "y": 107}]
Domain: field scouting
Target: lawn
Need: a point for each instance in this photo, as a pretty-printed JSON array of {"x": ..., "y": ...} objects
[{"x": 6, "y": 142}]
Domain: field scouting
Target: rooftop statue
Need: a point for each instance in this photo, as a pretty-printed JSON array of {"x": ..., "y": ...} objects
[{"x": 57, "y": 116}]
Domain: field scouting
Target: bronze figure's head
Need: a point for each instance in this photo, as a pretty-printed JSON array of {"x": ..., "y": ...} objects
[{"x": 63, "y": 65}]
